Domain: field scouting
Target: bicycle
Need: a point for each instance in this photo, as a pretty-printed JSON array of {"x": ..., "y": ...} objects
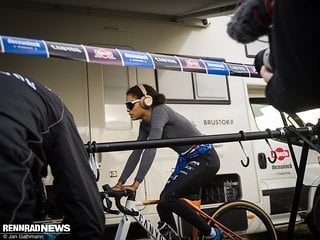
[{"x": 250, "y": 217}]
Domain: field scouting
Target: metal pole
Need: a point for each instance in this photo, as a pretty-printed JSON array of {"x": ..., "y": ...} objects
[
  {"x": 218, "y": 138},
  {"x": 297, "y": 193}
]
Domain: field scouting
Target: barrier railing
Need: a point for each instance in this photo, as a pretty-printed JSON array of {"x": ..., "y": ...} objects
[{"x": 303, "y": 133}]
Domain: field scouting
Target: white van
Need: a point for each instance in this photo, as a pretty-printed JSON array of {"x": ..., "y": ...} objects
[{"x": 216, "y": 104}]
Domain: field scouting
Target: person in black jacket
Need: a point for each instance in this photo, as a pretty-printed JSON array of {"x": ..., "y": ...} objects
[
  {"x": 295, "y": 47},
  {"x": 37, "y": 130}
]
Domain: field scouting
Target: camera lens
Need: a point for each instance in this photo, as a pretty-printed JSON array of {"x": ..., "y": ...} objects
[
  {"x": 258, "y": 60},
  {"x": 263, "y": 58}
]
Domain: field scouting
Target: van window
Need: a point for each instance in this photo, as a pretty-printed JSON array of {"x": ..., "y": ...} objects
[
  {"x": 211, "y": 87},
  {"x": 175, "y": 85},
  {"x": 186, "y": 87},
  {"x": 266, "y": 116},
  {"x": 310, "y": 116}
]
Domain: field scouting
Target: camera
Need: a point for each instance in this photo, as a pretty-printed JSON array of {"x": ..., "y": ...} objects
[
  {"x": 264, "y": 57},
  {"x": 251, "y": 20}
]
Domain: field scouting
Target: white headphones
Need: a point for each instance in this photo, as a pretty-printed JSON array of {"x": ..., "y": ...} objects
[{"x": 146, "y": 100}]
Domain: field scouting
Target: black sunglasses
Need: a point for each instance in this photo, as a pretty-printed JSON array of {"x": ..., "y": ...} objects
[{"x": 130, "y": 104}]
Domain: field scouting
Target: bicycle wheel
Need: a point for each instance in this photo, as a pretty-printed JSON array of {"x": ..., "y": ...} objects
[{"x": 247, "y": 220}]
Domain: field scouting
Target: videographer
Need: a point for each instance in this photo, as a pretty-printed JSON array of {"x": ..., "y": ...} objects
[{"x": 294, "y": 33}]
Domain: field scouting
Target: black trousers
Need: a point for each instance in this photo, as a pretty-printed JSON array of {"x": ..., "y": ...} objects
[{"x": 198, "y": 172}]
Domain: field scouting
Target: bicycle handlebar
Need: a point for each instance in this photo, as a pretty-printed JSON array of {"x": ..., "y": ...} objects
[{"x": 117, "y": 195}]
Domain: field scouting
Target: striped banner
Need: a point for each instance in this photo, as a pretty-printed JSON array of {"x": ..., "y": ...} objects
[{"x": 123, "y": 57}]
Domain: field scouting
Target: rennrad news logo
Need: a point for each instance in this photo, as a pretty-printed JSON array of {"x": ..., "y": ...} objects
[
  {"x": 36, "y": 228},
  {"x": 34, "y": 231}
]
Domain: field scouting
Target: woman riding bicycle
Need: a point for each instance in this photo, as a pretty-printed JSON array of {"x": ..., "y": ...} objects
[{"x": 196, "y": 164}]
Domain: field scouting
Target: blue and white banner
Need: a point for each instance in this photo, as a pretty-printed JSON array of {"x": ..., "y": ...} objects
[
  {"x": 121, "y": 57},
  {"x": 136, "y": 59},
  {"x": 24, "y": 46},
  {"x": 216, "y": 67}
]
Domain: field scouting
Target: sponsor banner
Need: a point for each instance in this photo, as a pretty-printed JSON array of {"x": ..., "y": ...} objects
[
  {"x": 252, "y": 71},
  {"x": 122, "y": 57},
  {"x": 103, "y": 55},
  {"x": 136, "y": 59},
  {"x": 166, "y": 62},
  {"x": 192, "y": 65},
  {"x": 238, "y": 70},
  {"x": 24, "y": 46},
  {"x": 216, "y": 67},
  {"x": 65, "y": 50}
]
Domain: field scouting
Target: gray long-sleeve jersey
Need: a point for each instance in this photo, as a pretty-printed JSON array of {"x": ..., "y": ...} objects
[{"x": 165, "y": 123}]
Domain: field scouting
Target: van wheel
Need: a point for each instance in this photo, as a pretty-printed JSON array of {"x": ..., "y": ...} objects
[{"x": 313, "y": 220}]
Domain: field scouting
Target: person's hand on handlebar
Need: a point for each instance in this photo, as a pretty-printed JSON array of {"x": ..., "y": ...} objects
[
  {"x": 133, "y": 187},
  {"x": 119, "y": 186}
]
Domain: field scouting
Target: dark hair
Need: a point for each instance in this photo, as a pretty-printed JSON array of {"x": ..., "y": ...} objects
[{"x": 158, "y": 98}]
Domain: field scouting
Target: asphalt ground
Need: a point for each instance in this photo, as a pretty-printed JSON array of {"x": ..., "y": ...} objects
[{"x": 301, "y": 232}]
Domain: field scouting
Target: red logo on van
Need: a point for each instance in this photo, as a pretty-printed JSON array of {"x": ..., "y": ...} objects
[{"x": 281, "y": 153}]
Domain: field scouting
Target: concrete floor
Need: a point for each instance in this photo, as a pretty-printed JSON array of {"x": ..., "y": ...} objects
[{"x": 301, "y": 232}]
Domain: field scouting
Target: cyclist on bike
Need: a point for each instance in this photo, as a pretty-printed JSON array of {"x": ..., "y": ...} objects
[
  {"x": 36, "y": 129},
  {"x": 196, "y": 164}
]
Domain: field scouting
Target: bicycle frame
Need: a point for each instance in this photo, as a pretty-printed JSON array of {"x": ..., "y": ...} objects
[
  {"x": 131, "y": 214},
  {"x": 126, "y": 220},
  {"x": 130, "y": 211}
]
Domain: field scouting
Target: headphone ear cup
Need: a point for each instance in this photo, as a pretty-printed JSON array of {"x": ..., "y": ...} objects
[{"x": 146, "y": 101}]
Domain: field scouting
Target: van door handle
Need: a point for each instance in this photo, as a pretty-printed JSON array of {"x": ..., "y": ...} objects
[{"x": 262, "y": 160}]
